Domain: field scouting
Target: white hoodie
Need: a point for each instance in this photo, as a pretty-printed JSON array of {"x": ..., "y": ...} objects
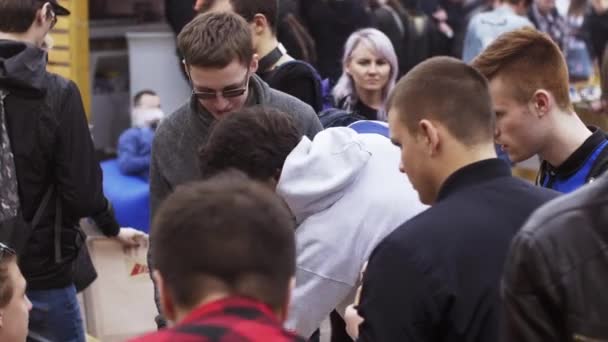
[{"x": 347, "y": 194}]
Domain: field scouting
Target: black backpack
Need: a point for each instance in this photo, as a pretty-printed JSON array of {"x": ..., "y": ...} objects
[{"x": 15, "y": 232}]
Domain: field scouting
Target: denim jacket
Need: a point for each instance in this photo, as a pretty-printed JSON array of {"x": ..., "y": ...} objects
[{"x": 485, "y": 27}]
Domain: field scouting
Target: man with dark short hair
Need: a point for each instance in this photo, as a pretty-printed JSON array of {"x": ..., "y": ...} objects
[
  {"x": 436, "y": 278},
  {"x": 221, "y": 64},
  {"x": 224, "y": 252},
  {"x": 276, "y": 66},
  {"x": 135, "y": 144}
]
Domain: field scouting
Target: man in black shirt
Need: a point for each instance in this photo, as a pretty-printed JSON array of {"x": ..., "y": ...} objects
[
  {"x": 276, "y": 67},
  {"x": 436, "y": 278}
]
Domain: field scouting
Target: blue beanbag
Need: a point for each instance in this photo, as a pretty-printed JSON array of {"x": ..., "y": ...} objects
[{"x": 130, "y": 197}]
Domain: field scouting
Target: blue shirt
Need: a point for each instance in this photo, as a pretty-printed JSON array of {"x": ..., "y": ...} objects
[
  {"x": 134, "y": 151},
  {"x": 577, "y": 170},
  {"x": 485, "y": 27}
]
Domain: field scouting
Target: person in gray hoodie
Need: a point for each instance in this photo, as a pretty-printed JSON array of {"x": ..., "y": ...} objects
[
  {"x": 220, "y": 62},
  {"x": 343, "y": 189}
]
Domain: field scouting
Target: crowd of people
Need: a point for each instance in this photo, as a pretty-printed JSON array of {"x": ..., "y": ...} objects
[{"x": 336, "y": 159}]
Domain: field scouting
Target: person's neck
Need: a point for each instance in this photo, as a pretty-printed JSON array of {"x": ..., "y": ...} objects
[
  {"x": 18, "y": 37},
  {"x": 372, "y": 99},
  {"x": 266, "y": 46},
  {"x": 568, "y": 135},
  {"x": 182, "y": 313},
  {"x": 458, "y": 157}
]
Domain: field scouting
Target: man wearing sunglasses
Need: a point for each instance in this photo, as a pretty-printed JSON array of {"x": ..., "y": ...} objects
[
  {"x": 220, "y": 62},
  {"x": 49, "y": 176},
  {"x": 14, "y": 304}
]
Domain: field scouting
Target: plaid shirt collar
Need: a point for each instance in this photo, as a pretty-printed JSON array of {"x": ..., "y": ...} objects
[{"x": 220, "y": 306}]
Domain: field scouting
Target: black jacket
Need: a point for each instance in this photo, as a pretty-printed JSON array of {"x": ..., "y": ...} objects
[
  {"x": 437, "y": 277},
  {"x": 554, "y": 286},
  {"x": 51, "y": 144}
]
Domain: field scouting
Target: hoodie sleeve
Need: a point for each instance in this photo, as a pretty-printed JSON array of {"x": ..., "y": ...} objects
[
  {"x": 314, "y": 298},
  {"x": 79, "y": 177}
]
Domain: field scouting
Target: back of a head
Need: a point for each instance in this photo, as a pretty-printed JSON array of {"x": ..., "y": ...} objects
[
  {"x": 16, "y": 16},
  {"x": 216, "y": 39},
  {"x": 527, "y": 60},
  {"x": 255, "y": 140},
  {"x": 249, "y": 8},
  {"x": 446, "y": 90},
  {"x": 229, "y": 235},
  {"x": 140, "y": 94}
]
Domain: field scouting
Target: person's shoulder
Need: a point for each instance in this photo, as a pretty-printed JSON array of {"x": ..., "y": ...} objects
[
  {"x": 166, "y": 335},
  {"x": 290, "y": 105},
  {"x": 296, "y": 68},
  {"x": 569, "y": 210},
  {"x": 172, "y": 123},
  {"x": 57, "y": 82}
]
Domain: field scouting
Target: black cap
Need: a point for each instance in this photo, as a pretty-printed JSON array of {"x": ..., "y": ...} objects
[{"x": 58, "y": 9}]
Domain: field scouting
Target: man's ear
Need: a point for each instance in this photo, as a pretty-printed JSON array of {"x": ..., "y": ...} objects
[
  {"x": 428, "y": 132},
  {"x": 259, "y": 24},
  {"x": 186, "y": 70},
  {"x": 253, "y": 66},
  {"x": 167, "y": 304},
  {"x": 1, "y": 319},
  {"x": 542, "y": 102}
]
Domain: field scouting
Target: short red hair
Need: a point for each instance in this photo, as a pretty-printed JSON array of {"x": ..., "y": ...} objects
[{"x": 527, "y": 60}]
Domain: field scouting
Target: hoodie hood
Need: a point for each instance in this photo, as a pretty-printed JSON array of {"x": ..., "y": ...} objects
[
  {"x": 22, "y": 67},
  {"x": 316, "y": 173}
]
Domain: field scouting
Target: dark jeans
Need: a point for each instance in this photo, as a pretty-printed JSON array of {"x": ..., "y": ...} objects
[{"x": 56, "y": 315}]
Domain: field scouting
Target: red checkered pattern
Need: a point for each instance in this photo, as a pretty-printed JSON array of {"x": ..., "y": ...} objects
[{"x": 227, "y": 320}]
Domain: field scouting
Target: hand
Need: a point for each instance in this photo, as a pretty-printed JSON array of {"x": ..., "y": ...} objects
[
  {"x": 353, "y": 321},
  {"x": 131, "y": 238}
]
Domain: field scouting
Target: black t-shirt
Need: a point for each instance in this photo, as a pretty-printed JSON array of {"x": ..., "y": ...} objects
[
  {"x": 296, "y": 79},
  {"x": 358, "y": 108},
  {"x": 365, "y": 111}
]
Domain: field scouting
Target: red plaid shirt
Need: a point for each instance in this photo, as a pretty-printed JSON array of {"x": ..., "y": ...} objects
[{"x": 227, "y": 320}]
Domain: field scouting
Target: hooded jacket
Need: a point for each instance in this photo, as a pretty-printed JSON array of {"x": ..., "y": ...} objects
[
  {"x": 347, "y": 194},
  {"x": 51, "y": 145}
]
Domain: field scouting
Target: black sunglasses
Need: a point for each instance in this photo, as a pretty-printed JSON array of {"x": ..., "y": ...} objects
[
  {"x": 6, "y": 250},
  {"x": 227, "y": 94}
]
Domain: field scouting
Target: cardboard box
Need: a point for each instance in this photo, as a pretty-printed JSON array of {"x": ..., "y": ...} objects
[{"x": 120, "y": 304}]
